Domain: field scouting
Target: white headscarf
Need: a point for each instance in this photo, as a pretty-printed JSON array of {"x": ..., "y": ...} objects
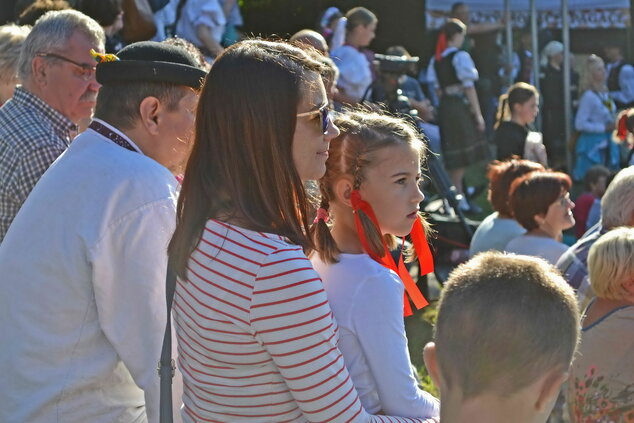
[
  {"x": 339, "y": 36},
  {"x": 552, "y": 48},
  {"x": 325, "y": 18}
]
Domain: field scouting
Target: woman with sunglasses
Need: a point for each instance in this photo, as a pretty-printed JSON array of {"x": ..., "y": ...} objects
[
  {"x": 256, "y": 337},
  {"x": 541, "y": 203}
]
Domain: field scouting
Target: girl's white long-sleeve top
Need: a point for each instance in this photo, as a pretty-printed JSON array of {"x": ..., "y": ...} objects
[{"x": 367, "y": 301}]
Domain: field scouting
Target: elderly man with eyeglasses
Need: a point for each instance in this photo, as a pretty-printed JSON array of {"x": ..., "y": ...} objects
[{"x": 58, "y": 90}]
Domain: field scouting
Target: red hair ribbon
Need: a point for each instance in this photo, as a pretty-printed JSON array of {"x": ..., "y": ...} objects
[
  {"x": 420, "y": 246},
  {"x": 322, "y": 214},
  {"x": 441, "y": 45},
  {"x": 621, "y": 127}
]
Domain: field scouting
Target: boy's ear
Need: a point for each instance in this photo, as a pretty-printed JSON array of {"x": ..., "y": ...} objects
[
  {"x": 550, "y": 386},
  {"x": 431, "y": 362},
  {"x": 343, "y": 189}
]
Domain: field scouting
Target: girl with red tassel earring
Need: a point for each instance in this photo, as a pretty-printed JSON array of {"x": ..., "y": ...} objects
[{"x": 369, "y": 196}]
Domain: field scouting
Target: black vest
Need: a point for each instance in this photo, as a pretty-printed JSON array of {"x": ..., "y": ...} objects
[
  {"x": 445, "y": 71},
  {"x": 613, "y": 77},
  {"x": 526, "y": 67},
  {"x": 614, "y": 85}
]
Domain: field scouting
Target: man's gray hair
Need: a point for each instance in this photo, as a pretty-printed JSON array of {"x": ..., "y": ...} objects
[
  {"x": 617, "y": 204},
  {"x": 52, "y": 32}
]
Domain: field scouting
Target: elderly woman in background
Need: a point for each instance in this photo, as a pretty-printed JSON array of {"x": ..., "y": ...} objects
[
  {"x": 595, "y": 122},
  {"x": 498, "y": 228},
  {"x": 11, "y": 39},
  {"x": 540, "y": 202},
  {"x": 552, "y": 88},
  {"x": 602, "y": 376}
]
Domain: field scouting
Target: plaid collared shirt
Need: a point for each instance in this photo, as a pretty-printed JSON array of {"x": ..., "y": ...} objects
[
  {"x": 32, "y": 136},
  {"x": 573, "y": 265}
]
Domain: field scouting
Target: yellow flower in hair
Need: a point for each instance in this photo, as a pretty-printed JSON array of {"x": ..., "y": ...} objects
[{"x": 102, "y": 57}]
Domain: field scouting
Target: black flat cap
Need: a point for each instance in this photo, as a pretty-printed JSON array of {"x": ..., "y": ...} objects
[{"x": 152, "y": 61}]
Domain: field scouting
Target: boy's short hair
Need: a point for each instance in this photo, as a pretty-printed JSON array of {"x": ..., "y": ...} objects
[
  {"x": 593, "y": 174},
  {"x": 611, "y": 263},
  {"x": 504, "y": 321}
]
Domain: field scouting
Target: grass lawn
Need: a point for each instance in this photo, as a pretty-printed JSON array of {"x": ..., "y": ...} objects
[{"x": 419, "y": 330}]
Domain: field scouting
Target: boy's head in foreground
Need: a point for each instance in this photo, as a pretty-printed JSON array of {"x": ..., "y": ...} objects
[{"x": 507, "y": 329}]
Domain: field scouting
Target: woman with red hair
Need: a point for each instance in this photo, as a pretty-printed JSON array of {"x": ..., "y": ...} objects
[
  {"x": 540, "y": 202},
  {"x": 498, "y": 228}
]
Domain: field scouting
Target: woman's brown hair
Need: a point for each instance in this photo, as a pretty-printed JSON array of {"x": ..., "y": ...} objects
[
  {"x": 518, "y": 93},
  {"x": 241, "y": 167},
  {"x": 452, "y": 27},
  {"x": 359, "y": 16},
  {"x": 533, "y": 193},
  {"x": 362, "y": 134}
]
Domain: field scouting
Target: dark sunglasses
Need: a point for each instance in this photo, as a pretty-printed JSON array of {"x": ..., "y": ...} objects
[
  {"x": 324, "y": 112},
  {"x": 85, "y": 71}
]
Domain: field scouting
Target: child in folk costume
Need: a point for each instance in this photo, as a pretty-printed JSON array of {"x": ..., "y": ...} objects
[
  {"x": 353, "y": 58},
  {"x": 595, "y": 122},
  {"x": 371, "y": 189},
  {"x": 459, "y": 116}
]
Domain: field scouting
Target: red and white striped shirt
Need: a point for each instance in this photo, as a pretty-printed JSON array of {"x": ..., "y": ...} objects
[{"x": 257, "y": 341}]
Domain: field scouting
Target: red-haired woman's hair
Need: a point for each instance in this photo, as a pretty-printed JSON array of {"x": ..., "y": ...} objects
[
  {"x": 501, "y": 175},
  {"x": 532, "y": 195},
  {"x": 241, "y": 166},
  {"x": 362, "y": 135}
]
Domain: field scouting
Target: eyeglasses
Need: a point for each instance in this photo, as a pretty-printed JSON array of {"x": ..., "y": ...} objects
[
  {"x": 565, "y": 200},
  {"x": 324, "y": 112},
  {"x": 85, "y": 71}
]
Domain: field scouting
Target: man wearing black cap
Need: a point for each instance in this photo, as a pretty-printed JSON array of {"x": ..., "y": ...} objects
[{"x": 82, "y": 292}]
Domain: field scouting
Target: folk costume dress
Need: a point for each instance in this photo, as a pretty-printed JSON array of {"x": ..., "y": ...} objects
[
  {"x": 595, "y": 145},
  {"x": 462, "y": 144},
  {"x": 355, "y": 73}
]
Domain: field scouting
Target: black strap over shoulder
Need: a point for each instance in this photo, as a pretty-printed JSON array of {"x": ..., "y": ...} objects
[{"x": 166, "y": 366}]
